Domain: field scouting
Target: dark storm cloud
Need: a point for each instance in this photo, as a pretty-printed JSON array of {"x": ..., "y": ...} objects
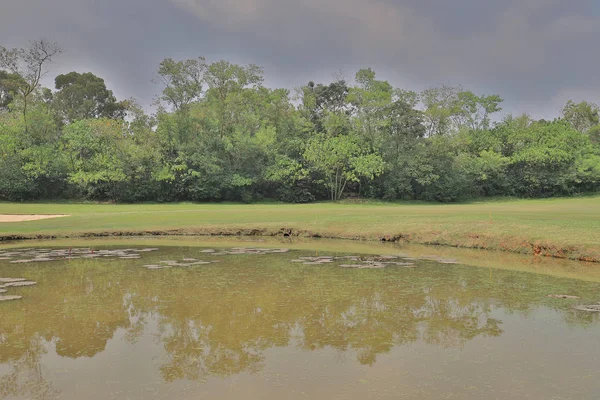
[{"x": 535, "y": 53}]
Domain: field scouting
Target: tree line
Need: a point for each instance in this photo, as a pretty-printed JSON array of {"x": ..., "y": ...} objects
[{"x": 219, "y": 134}]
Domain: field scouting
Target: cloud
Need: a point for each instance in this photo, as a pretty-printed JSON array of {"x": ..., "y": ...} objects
[
  {"x": 529, "y": 51},
  {"x": 410, "y": 34}
]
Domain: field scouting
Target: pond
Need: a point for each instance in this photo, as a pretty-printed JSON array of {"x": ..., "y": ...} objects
[{"x": 235, "y": 320}]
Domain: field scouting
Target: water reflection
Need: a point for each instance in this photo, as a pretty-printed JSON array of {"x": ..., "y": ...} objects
[{"x": 221, "y": 319}]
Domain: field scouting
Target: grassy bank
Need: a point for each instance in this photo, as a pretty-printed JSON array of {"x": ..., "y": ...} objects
[{"x": 565, "y": 228}]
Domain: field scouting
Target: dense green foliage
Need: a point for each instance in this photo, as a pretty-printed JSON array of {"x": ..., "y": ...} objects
[{"x": 219, "y": 134}]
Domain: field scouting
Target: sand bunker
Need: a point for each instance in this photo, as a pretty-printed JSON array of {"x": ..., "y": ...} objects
[{"x": 27, "y": 217}]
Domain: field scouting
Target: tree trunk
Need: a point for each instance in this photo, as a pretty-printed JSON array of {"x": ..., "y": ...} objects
[{"x": 25, "y": 113}]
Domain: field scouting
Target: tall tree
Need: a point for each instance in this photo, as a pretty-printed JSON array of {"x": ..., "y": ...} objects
[
  {"x": 97, "y": 152},
  {"x": 474, "y": 111},
  {"x": 441, "y": 104},
  {"x": 319, "y": 100},
  {"x": 581, "y": 116},
  {"x": 182, "y": 81},
  {"x": 31, "y": 65},
  {"x": 231, "y": 88},
  {"x": 9, "y": 85},
  {"x": 341, "y": 160},
  {"x": 448, "y": 109},
  {"x": 401, "y": 132},
  {"x": 85, "y": 96},
  {"x": 370, "y": 98}
]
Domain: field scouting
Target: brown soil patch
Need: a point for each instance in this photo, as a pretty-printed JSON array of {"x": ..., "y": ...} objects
[{"x": 27, "y": 217}]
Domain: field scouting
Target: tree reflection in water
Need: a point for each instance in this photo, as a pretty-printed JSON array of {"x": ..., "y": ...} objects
[{"x": 219, "y": 319}]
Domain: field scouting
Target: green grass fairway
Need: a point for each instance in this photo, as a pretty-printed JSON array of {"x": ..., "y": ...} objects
[{"x": 568, "y": 228}]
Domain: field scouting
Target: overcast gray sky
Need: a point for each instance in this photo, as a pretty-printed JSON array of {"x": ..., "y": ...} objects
[{"x": 535, "y": 53}]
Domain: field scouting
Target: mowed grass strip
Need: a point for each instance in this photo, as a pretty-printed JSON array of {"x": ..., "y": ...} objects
[{"x": 565, "y": 227}]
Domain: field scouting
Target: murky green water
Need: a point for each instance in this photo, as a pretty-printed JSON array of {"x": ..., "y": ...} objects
[{"x": 259, "y": 326}]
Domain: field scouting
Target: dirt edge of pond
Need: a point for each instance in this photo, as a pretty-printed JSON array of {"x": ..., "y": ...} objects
[
  {"x": 28, "y": 217},
  {"x": 471, "y": 241}
]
